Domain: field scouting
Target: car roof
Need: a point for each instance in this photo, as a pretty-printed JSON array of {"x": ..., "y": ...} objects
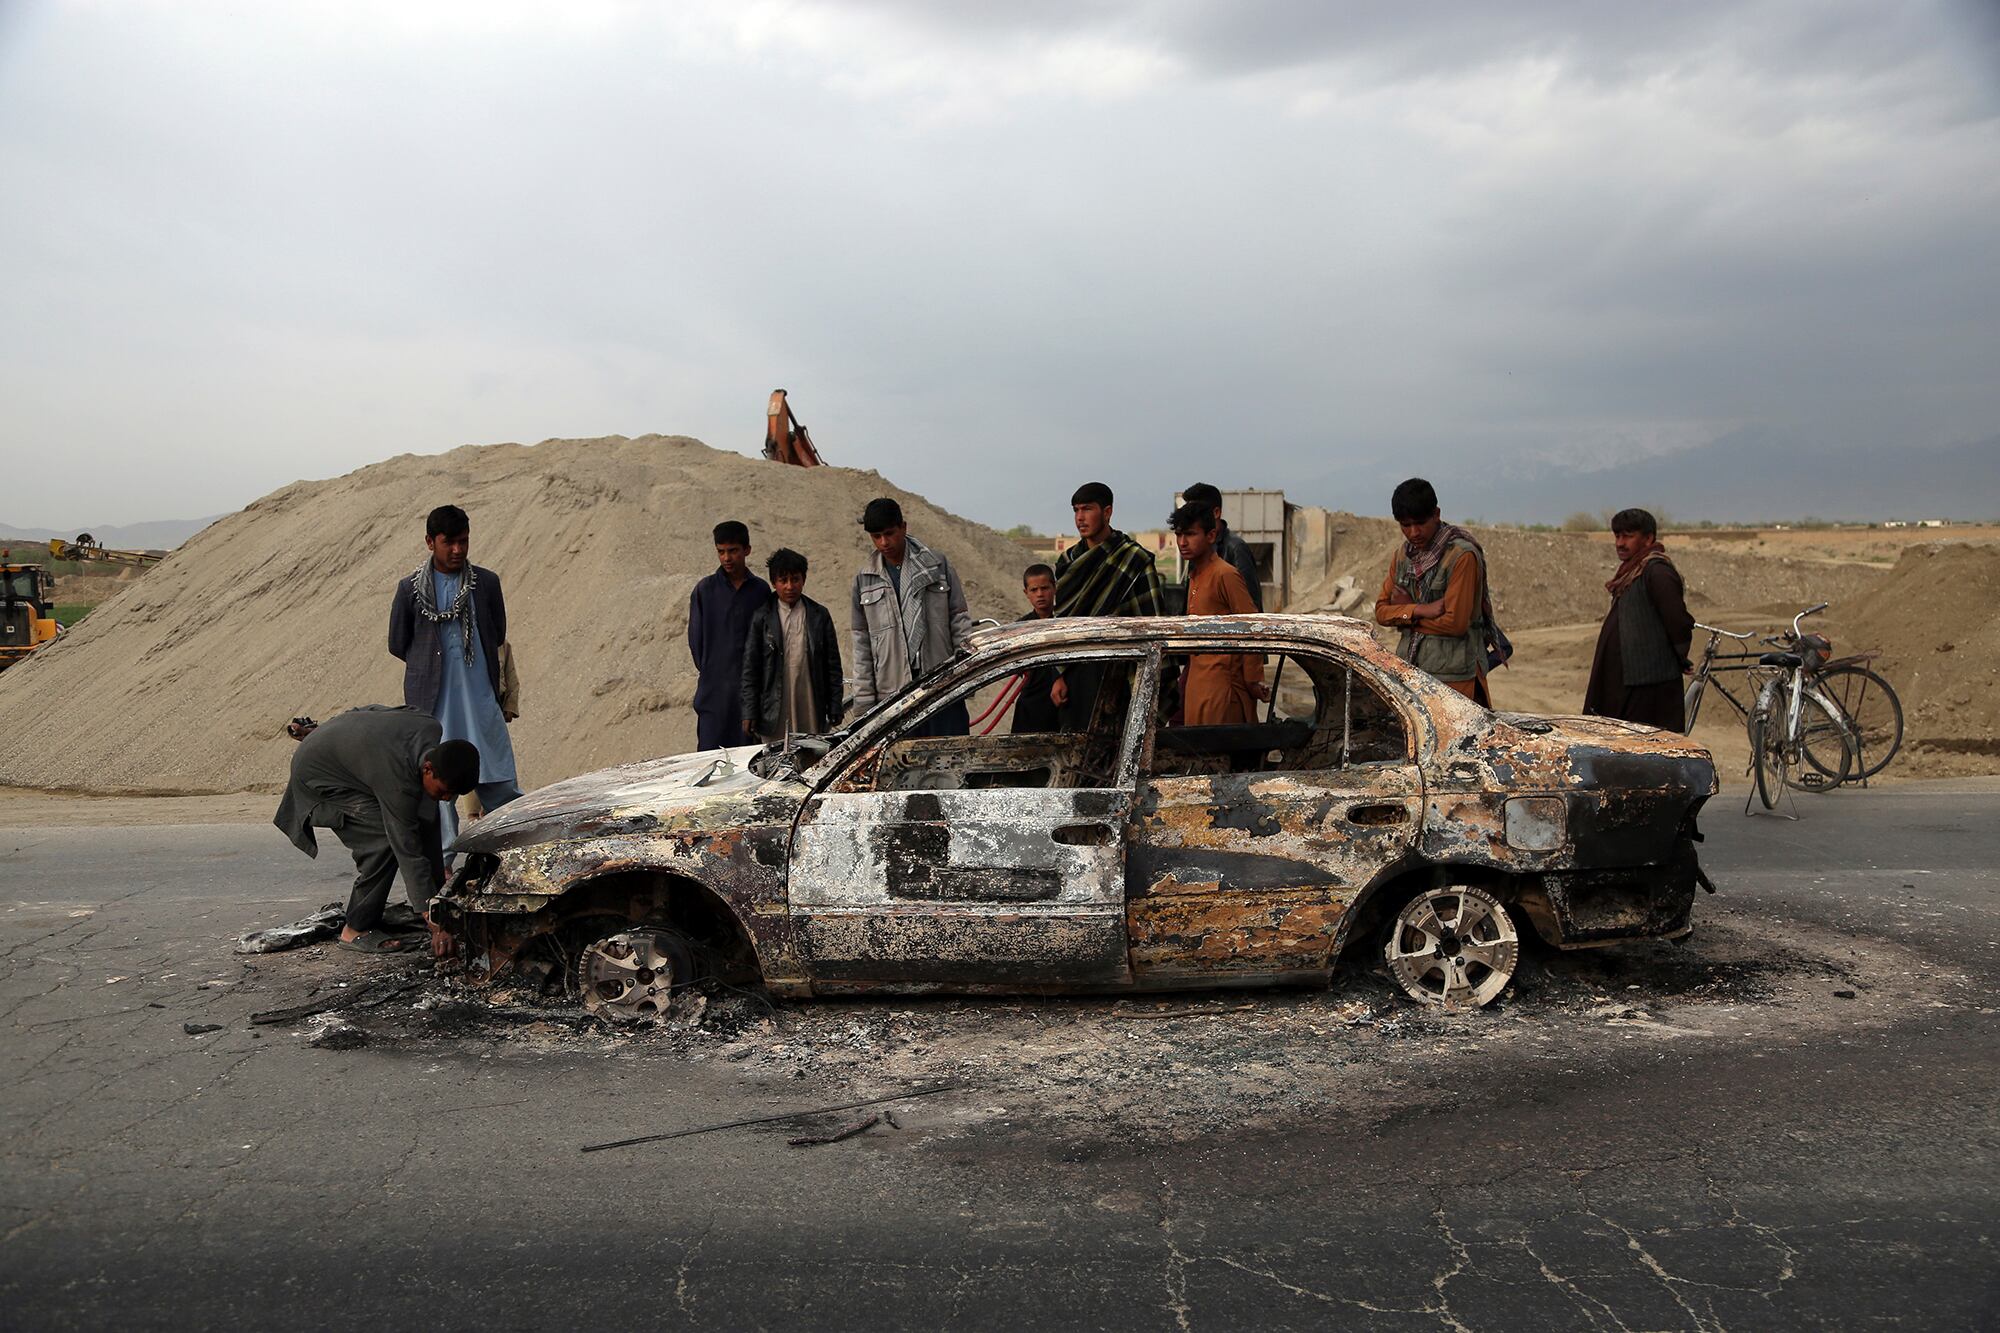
[{"x": 1080, "y": 631}]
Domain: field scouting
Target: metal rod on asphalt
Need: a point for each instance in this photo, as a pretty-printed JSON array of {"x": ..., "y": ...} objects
[{"x": 768, "y": 1119}]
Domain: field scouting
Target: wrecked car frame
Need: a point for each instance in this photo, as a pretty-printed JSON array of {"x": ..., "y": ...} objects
[{"x": 1372, "y": 810}]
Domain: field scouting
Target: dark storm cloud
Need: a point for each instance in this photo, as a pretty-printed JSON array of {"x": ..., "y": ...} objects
[
  {"x": 1591, "y": 38},
  {"x": 989, "y": 246}
]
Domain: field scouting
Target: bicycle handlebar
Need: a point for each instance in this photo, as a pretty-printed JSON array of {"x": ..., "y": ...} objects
[
  {"x": 1729, "y": 634},
  {"x": 1809, "y": 611}
]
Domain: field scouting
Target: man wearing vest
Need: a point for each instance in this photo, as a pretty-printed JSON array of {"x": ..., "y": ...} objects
[
  {"x": 1436, "y": 594},
  {"x": 1642, "y": 649}
]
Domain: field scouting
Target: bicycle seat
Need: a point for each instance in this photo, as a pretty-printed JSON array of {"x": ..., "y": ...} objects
[{"x": 1781, "y": 660}]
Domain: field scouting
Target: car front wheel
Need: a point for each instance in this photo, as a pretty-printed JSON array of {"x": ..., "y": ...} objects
[
  {"x": 629, "y": 977},
  {"x": 1453, "y": 946}
]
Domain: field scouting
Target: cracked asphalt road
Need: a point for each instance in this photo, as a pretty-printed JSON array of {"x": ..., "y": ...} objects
[{"x": 1833, "y": 1167}]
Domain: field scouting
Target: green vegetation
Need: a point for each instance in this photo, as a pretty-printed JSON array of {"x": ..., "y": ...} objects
[
  {"x": 39, "y": 555},
  {"x": 68, "y": 613},
  {"x": 1021, "y": 532}
]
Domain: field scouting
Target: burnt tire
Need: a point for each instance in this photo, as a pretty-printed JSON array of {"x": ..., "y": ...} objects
[
  {"x": 1454, "y": 946},
  {"x": 630, "y": 976}
]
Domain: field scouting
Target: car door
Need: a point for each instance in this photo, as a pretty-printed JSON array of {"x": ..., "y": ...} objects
[
  {"x": 1004, "y": 868},
  {"x": 1245, "y": 856}
]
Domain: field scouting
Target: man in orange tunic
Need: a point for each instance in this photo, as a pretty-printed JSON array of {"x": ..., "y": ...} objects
[{"x": 1219, "y": 688}]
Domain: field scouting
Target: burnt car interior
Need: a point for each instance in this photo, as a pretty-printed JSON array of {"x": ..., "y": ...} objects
[
  {"x": 1083, "y": 758},
  {"x": 1321, "y": 715},
  {"x": 1324, "y": 715}
]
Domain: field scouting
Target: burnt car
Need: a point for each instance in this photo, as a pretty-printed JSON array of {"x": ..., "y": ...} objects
[{"x": 1372, "y": 815}]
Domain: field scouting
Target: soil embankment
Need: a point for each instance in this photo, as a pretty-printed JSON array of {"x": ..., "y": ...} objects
[
  {"x": 184, "y": 681},
  {"x": 1932, "y": 618}
]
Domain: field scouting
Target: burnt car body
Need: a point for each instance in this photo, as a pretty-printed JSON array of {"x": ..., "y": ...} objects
[{"x": 1127, "y": 854}]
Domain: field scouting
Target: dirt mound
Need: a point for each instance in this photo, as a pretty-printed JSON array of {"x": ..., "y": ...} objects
[
  {"x": 1557, "y": 578},
  {"x": 183, "y": 682},
  {"x": 1932, "y": 619}
]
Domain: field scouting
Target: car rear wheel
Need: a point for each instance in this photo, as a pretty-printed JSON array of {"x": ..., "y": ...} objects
[
  {"x": 1454, "y": 946},
  {"x": 629, "y": 977}
]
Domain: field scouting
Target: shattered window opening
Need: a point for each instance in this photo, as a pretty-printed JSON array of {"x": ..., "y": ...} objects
[
  {"x": 1316, "y": 720},
  {"x": 1092, "y": 756}
]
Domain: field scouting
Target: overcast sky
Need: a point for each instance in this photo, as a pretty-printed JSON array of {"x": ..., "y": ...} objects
[{"x": 993, "y": 249}]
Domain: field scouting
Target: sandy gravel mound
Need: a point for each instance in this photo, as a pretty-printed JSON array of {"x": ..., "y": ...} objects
[
  {"x": 1557, "y": 578},
  {"x": 184, "y": 680},
  {"x": 1934, "y": 621}
]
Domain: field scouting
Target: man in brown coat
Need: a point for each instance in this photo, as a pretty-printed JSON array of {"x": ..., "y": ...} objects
[{"x": 1642, "y": 648}]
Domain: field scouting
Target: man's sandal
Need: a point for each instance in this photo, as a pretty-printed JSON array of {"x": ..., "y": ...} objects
[{"x": 377, "y": 942}]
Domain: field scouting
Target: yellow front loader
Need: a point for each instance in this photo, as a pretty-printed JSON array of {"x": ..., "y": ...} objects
[{"x": 27, "y": 609}]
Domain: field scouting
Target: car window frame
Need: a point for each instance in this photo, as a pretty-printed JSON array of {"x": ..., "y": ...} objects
[
  {"x": 874, "y": 730},
  {"x": 1186, "y": 644}
]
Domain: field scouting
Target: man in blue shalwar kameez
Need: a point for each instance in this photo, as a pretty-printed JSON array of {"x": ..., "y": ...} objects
[{"x": 447, "y": 624}]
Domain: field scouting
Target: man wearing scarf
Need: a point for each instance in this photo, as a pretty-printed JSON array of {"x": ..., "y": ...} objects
[
  {"x": 1436, "y": 594},
  {"x": 1105, "y": 574},
  {"x": 1642, "y": 648},
  {"x": 447, "y": 624}
]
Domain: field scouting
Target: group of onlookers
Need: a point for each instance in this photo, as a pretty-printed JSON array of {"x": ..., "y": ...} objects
[
  {"x": 770, "y": 661},
  {"x": 1436, "y": 592}
]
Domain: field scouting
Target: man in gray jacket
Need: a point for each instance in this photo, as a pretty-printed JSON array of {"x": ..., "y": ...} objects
[
  {"x": 908, "y": 617},
  {"x": 375, "y": 775}
]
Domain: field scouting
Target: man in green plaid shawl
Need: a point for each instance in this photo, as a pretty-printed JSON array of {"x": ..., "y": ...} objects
[{"x": 1105, "y": 574}]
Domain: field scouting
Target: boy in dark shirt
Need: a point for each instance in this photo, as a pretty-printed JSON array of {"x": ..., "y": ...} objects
[{"x": 1034, "y": 710}]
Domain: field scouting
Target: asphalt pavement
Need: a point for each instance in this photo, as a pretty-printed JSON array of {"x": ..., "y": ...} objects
[{"x": 1823, "y": 1160}]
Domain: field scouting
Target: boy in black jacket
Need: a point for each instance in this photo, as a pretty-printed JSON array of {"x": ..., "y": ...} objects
[{"x": 791, "y": 659}]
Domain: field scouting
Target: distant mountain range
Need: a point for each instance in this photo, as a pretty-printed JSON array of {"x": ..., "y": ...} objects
[
  {"x": 158, "y": 535},
  {"x": 1748, "y": 477}
]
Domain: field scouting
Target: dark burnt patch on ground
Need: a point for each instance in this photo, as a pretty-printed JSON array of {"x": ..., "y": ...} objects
[{"x": 1110, "y": 1074}]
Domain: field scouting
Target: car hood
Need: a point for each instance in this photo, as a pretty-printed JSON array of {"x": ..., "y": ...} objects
[{"x": 714, "y": 789}]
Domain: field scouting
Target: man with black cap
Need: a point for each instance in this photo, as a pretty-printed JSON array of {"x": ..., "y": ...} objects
[
  {"x": 374, "y": 776},
  {"x": 908, "y": 616},
  {"x": 1106, "y": 573}
]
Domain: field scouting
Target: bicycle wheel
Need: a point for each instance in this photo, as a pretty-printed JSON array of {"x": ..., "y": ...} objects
[
  {"x": 1824, "y": 756},
  {"x": 1873, "y": 709},
  {"x": 1767, "y": 747},
  {"x": 1692, "y": 699}
]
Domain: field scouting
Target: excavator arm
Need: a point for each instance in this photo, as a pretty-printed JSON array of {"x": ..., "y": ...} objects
[{"x": 785, "y": 440}]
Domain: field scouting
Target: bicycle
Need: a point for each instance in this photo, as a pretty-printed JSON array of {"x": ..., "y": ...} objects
[
  {"x": 1793, "y": 725},
  {"x": 1868, "y": 704},
  {"x": 1794, "y": 720}
]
